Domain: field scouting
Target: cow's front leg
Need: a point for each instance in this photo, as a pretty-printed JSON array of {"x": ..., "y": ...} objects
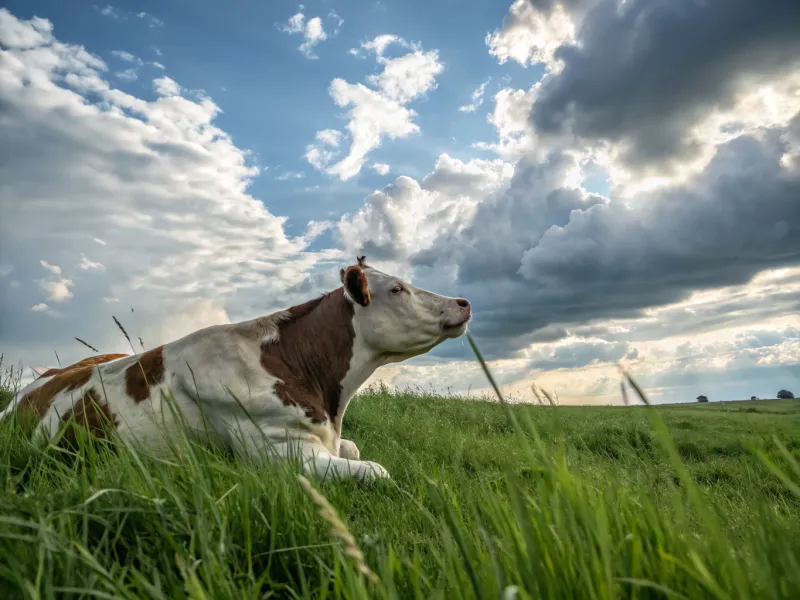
[
  {"x": 316, "y": 459},
  {"x": 348, "y": 449}
]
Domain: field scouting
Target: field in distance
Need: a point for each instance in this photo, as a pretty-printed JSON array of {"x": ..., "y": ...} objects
[{"x": 583, "y": 502}]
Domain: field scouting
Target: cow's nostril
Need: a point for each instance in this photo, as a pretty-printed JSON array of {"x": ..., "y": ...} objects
[{"x": 462, "y": 303}]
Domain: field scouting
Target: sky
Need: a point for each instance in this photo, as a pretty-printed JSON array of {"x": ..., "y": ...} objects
[{"x": 609, "y": 182}]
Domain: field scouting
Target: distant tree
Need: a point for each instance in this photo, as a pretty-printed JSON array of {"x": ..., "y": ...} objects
[
  {"x": 785, "y": 395},
  {"x": 702, "y": 399},
  {"x": 753, "y": 398}
]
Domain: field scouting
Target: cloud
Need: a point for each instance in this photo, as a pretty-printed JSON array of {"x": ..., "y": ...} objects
[
  {"x": 39, "y": 307},
  {"x": 296, "y": 24},
  {"x": 605, "y": 258},
  {"x": 474, "y": 179},
  {"x": 55, "y": 269},
  {"x": 314, "y": 34},
  {"x": 287, "y": 175},
  {"x": 532, "y": 32},
  {"x": 164, "y": 86},
  {"x": 405, "y": 218},
  {"x": 765, "y": 338},
  {"x": 625, "y": 81},
  {"x": 680, "y": 216},
  {"x": 380, "y": 112},
  {"x": 111, "y": 12},
  {"x": 477, "y": 98},
  {"x": 330, "y": 137},
  {"x": 768, "y": 296},
  {"x": 115, "y": 14},
  {"x": 312, "y": 30},
  {"x": 406, "y": 77},
  {"x": 199, "y": 313},
  {"x": 158, "y": 180},
  {"x": 128, "y": 75},
  {"x": 324, "y": 149},
  {"x": 150, "y": 19},
  {"x": 17, "y": 36},
  {"x": 339, "y": 21},
  {"x": 538, "y": 253},
  {"x": 396, "y": 221},
  {"x": 372, "y": 117},
  {"x": 699, "y": 232},
  {"x": 380, "y": 168},
  {"x": 58, "y": 291},
  {"x": 577, "y": 353},
  {"x": 126, "y": 56},
  {"x": 379, "y": 44},
  {"x": 510, "y": 118},
  {"x": 89, "y": 265}
]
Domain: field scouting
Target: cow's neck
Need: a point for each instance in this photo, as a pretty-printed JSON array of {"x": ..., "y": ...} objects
[
  {"x": 363, "y": 364},
  {"x": 319, "y": 357}
]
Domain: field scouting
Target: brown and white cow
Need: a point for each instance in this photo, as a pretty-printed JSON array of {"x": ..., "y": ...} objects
[{"x": 293, "y": 372}]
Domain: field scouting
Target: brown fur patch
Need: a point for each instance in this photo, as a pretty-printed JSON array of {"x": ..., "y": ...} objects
[
  {"x": 92, "y": 360},
  {"x": 40, "y": 399},
  {"x": 312, "y": 355},
  {"x": 91, "y": 412},
  {"x": 147, "y": 371}
]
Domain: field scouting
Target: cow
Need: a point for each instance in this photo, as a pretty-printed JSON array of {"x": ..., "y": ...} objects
[{"x": 281, "y": 381}]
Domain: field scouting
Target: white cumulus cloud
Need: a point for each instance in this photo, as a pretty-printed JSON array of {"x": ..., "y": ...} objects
[
  {"x": 58, "y": 291},
  {"x": 165, "y": 86},
  {"x": 324, "y": 148},
  {"x": 312, "y": 30},
  {"x": 531, "y": 35},
  {"x": 377, "y": 112},
  {"x": 372, "y": 116}
]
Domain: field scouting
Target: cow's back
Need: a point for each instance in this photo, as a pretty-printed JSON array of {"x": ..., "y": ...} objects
[{"x": 34, "y": 392}]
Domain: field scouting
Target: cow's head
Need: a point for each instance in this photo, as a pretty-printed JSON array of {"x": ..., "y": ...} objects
[{"x": 397, "y": 319}]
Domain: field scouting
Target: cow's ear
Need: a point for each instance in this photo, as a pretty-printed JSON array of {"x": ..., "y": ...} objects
[{"x": 355, "y": 282}]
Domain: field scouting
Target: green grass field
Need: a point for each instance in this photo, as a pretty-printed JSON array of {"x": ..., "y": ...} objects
[{"x": 583, "y": 502}]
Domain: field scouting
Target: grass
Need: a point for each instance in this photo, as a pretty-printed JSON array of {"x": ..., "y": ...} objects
[{"x": 486, "y": 501}]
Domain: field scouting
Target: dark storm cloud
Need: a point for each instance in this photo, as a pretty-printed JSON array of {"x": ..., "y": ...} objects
[
  {"x": 742, "y": 215},
  {"x": 579, "y": 354},
  {"x": 536, "y": 259},
  {"x": 646, "y": 70}
]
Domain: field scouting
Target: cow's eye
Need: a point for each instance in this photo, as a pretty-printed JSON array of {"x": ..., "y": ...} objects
[{"x": 397, "y": 289}]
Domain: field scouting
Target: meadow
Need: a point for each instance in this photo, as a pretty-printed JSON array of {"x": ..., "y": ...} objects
[{"x": 486, "y": 500}]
